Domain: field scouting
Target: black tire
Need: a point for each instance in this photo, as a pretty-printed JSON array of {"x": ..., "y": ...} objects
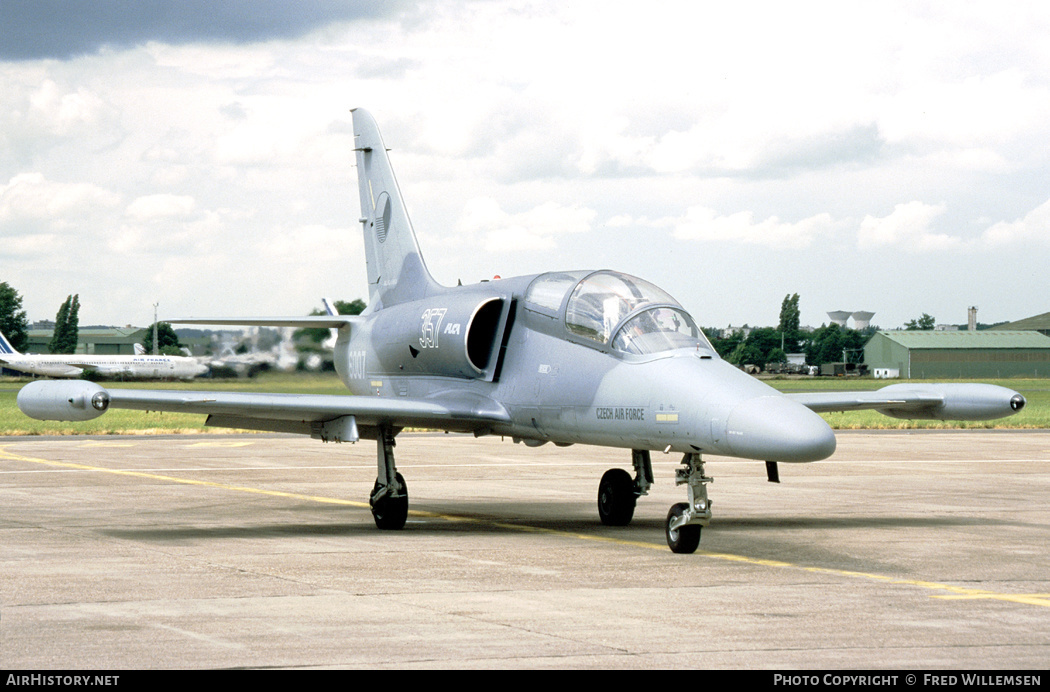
[
  {"x": 390, "y": 513},
  {"x": 684, "y": 539},
  {"x": 616, "y": 498}
]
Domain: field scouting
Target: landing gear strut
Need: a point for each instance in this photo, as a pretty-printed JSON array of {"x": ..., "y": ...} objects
[
  {"x": 618, "y": 493},
  {"x": 389, "y": 498},
  {"x": 685, "y": 519}
]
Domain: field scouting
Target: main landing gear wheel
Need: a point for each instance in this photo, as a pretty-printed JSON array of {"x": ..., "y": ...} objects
[
  {"x": 616, "y": 498},
  {"x": 684, "y": 538},
  {"x": 390, "y": 511}
]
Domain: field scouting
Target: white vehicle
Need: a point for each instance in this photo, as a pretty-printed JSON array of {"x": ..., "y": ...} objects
[{"x": 140, "y": 365}]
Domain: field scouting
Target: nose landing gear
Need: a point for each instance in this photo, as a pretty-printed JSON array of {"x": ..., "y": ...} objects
[
  {"x": 618, "y": 494},
  {"x": 685, "y": 519}
]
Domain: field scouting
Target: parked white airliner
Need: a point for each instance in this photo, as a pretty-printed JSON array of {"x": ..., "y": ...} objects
[{"x": 138, "y": 366}]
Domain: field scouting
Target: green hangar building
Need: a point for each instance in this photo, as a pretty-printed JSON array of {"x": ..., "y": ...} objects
[
  {"x": 92, "y": 341},
  {"x": 949, "y": 354}
]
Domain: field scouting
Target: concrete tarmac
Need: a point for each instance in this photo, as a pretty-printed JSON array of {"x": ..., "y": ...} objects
[{"x": 902, "y": 551}]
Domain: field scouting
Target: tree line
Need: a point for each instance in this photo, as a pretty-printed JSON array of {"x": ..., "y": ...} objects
[
  {"x": 763, "y": 345},
  {"x": 14, "y": 323}
]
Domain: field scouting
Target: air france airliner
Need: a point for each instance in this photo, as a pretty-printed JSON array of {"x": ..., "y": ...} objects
[{"x": 137, "y": 366}]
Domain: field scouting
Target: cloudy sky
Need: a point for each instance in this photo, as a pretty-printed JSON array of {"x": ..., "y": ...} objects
[{"x": 890, "y": 157}]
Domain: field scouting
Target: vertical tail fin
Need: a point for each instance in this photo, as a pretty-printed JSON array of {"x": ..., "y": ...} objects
[
  {"x": 396, "y": 272},
  {"x": 6, "y": 348}
]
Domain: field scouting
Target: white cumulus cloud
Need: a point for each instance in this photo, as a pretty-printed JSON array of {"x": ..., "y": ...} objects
[
  {"x": 31, "y": 197},
  {"x": 701, "y": 223},
  {"x": 162, "y": 206},
  {"x": 909, "y": 226},
  {"x": 1034, "y": 227},
  {"x": 533, "y": 229}
]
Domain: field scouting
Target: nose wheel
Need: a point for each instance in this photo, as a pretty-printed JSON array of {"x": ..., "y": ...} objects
[
  {"x": 681, "y": 537},
  {"x": 685, "y": 519}
]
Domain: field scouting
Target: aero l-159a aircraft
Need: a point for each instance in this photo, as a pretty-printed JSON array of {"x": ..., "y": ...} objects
[
  {"x": 141, "y": 365},
  {"x": 589, "y": 357}
]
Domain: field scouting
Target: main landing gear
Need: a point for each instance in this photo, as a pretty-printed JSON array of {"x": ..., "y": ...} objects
[
  {"x": 389, "y": 498},
  {"x": 618, "y": 494}
]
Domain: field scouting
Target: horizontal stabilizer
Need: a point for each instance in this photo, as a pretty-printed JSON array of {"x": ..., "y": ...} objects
[{"x": 305, "y": 322}]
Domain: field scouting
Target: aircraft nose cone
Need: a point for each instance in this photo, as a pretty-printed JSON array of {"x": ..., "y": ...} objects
[{"x": 773, "y": 428}]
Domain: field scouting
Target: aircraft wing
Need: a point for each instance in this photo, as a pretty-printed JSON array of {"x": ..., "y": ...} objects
[
  {"x": 83, "y": 366},
  {"x": 950, "y": 401},
  {"x": 341, "y": 418}
]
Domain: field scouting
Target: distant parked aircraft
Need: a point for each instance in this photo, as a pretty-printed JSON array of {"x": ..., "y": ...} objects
[{"x": 141, "y": 365}]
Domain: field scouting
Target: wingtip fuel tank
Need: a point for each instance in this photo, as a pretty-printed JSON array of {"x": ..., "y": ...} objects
[
  {"x": 63, "y": 400},
  {"x": 959, "y": 401}
]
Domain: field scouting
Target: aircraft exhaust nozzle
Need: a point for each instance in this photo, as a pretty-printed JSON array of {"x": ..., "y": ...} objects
[{"x": 63, "y": 400}]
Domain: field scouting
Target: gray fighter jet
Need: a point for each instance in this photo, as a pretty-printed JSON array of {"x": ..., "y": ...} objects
[{"x": 588, "y": 357}]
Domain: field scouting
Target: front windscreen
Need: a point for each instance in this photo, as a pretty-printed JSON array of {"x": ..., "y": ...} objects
[{"x": 659, "y": 329}]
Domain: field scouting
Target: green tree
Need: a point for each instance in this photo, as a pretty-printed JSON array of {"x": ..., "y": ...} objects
[
  {"x": 757, "y": 348},
  {"x": 167, "y": 340},
  {"x": 67, "y": 327},
  {"x": 924, "y": 323},
  {"x": 790, "y": 317},
  {"x": 317, "y": 336},
  {"x": 60, "y": 325},
  {"x": 354, "y": 307},
  {"x": 831, "y": 342},
  {"x": 73, "y": 329},
  {"x": 825, "y": 345},
  {"x": 13, "y": 321}
]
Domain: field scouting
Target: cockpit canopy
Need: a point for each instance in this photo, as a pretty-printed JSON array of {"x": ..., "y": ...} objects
[{"x": 624, "y": 312}]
